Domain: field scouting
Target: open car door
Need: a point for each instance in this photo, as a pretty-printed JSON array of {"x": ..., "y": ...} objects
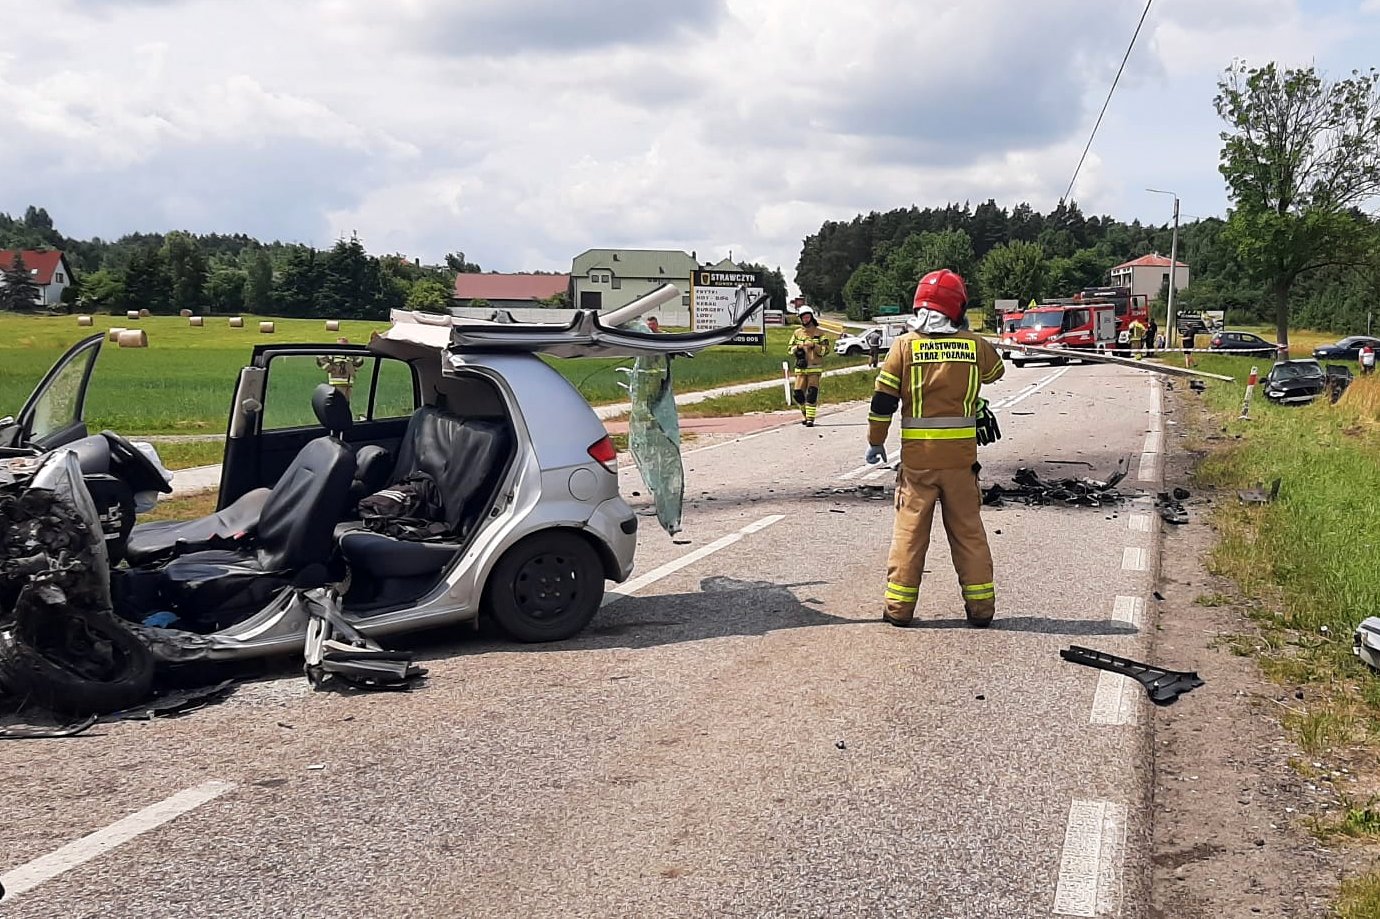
[{"x": 55, "y": 413}]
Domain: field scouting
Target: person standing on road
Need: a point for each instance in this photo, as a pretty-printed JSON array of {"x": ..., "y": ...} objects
[
  {"x": 1151, "y": 332},
  {"x": 874, "y": 345},
  {"x": 1366, "y": 358},
  {"x": 341, "y": 369},
  {"x": 934, "y": 375},
  {"x": 1137, "y": 330},
  {"x": 808, "y": 347}
]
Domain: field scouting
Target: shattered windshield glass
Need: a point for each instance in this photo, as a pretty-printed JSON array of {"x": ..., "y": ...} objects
[{"x": 654, "y": 434}]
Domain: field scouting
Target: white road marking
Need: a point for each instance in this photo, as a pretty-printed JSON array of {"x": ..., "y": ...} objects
[
  {"x": 1133, "y": 559},
  {"x": 1138, "y": 523},
  {"x": 656, "y": 574},
  {"x": 1149, "y": 467},
  {"x": 1115, "y": 701},
  {"x": 854, "y": 473},
  {"x": 1090, "y": 868},
  {"x": 1029, "y": 391},
  {"x": 1154, "y": 442},
  {"x": 1130, "y": 610},
  {"x": 30, "y": 875}
]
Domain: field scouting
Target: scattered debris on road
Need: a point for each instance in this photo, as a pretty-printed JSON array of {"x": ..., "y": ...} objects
[
  {"x": 31, "y": 732},
  {"x": 1164, "y": 686},
  {"x": 337, "y": 652},
  {"x": 1029, "y": 488},
  {"x": 1171, "y": 509}
]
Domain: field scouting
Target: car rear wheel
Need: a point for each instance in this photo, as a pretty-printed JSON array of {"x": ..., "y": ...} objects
[
  {"x": 1018, "y": 362},
  {"x": 546, "y": 588},
  {"x": 854, "y": 351}
]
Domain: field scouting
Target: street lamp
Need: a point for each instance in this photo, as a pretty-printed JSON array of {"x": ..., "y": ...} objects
[{"x": 1173, "y": 268}]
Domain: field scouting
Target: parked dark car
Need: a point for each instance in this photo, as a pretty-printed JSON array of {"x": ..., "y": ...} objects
[
  {"x": 1295, "y": 382},
  {"x": 1348, "y": 349},
  {"x": 1243, "y": 344}
]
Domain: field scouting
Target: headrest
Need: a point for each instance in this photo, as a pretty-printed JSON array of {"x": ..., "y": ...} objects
[{"x": 332, "y": 408}]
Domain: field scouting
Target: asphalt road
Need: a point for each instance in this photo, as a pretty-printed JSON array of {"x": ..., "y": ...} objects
[{"x": 739, "y": 736}]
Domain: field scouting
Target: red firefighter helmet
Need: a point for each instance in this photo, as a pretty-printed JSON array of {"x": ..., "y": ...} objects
[{"x": 942, "y": 291}]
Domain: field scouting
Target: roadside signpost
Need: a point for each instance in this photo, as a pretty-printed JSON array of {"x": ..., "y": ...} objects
[{"x": 718, "y": 297}]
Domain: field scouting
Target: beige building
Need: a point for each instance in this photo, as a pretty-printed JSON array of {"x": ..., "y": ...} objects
[
  {"x": 1148, "y": 274},
  {"x": 606, "y": 279}
]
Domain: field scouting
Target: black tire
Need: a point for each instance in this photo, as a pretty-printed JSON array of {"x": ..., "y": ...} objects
[
  {"x": 1060, "y": 362},
  {"x": 546, "y": 588},
  {"x": 34, "y": 674},
  {"x": 1018, "y": 362},
  {"x": 853, "y": 351}
]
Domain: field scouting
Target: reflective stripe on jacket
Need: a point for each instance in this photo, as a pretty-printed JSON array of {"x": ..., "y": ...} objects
[{"x": 938, "y": 380}]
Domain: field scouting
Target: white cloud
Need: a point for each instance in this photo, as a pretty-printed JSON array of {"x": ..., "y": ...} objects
[{"x": 524, "y": 132}]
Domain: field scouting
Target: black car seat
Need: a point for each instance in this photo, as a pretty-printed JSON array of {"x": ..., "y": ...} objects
[
  {"x": 294, "y": 539},
  {"x": 466, "y": 457},
  {"x": 152, "y": 543}
]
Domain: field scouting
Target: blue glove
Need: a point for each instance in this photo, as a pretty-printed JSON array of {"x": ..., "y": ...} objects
[{"x": 876, "y": 455}]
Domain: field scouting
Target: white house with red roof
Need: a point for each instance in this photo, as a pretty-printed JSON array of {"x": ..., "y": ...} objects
[
  {"x": 47, "y": 268},
  {"x": 1148, "y": 274},
  {"x": 509, "y": 291}
]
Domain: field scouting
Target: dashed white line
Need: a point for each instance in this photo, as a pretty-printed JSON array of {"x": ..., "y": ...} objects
[
  {"x": 1029, "y": 391},
  {"x": 1130, "y": 610},
  {"x": 1138, "y": 523},
  {"x": 28, "y": 876},
  {"x": 656, "y": 574},
  {"x": 1115, "y": 702},
  {"x": 1133, "y": 559},
  {"x": 1149, "y": 467},
  {"x": 1090, "y": 867}
]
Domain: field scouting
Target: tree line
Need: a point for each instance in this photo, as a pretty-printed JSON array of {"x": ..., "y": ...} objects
[
  {"x": 218, "y": 274},
  {"x": 1300, "y": 156}
]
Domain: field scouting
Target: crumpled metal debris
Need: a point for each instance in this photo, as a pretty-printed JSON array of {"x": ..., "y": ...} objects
[
  {"x": 41, "y": 732},
  {"x": 338, "y": 653},
  {"x": 1029, "y": 488},
  {"x": 1365, "y": 642},
  {"x": 1171, "y": 509},
  {"x": 1163, "y": 686}
]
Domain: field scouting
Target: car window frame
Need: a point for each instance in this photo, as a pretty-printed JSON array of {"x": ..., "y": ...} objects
[{"x": 266, "y": 359}]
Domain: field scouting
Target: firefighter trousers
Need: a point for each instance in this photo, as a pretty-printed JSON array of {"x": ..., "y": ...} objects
[
  {"x": 806, "y": 393},
  {"x": 958, "y": 494}
]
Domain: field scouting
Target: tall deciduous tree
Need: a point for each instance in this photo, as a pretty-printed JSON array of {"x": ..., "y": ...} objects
[
  {"x": 1300, "y": 154},
  {"x": 187, "y": 271},
  {"x": 1014, "y": 271},
  {"x": 147, "y": 285},
  {"x": 862, "y": 294}
]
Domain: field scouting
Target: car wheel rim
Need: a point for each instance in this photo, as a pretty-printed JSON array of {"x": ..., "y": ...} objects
[{"x": 546, "y": 585}]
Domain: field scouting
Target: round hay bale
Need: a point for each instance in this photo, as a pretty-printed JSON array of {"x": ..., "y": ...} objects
[
  {"x": 144, "y": 314},
  {"x": 332, "y": 325},
  {"x": 266, "y": 328},
  {"x": 185, "y": 314},
  {"x": 132, "y": 315},
  {"x": 83, "y": 321},
  {"x": 134, "y": 338},
  {"x": 195, "y": 322},
  {"x": 236, "y": 322},
  {"x": 113, "y": 335}
]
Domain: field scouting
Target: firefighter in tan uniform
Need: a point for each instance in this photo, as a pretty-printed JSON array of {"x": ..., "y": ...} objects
[
  {"x": 934, "y": 375},
  {"x": 341, "y": 369},
  {"x": 808, "y": 347}
]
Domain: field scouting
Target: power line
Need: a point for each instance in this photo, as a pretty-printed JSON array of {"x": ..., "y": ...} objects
[{"x": 1132, "y": 45}]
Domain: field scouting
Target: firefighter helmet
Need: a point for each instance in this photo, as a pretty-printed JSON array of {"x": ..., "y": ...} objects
[
  {"x": 800, "y": 313},
  {"x": 942, "y": 291}
]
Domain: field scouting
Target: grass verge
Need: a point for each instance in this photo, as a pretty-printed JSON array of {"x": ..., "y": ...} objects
[
  {"x": 1307, "y": 568},
  {"x": 186, "y": 454}
]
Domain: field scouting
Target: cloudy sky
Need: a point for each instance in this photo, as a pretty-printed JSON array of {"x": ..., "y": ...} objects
[{"x": 524, "y": 131}]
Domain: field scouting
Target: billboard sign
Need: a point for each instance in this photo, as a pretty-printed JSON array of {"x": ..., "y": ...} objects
[{"x": 718, "y": 297}]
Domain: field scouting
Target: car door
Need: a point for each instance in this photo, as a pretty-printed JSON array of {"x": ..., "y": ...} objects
[
  {"x": 55, "y": 413},
  {"x": 272, "y": 418}
]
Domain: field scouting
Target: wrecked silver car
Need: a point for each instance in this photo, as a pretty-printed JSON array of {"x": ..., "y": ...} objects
[{"x": 460, "y": 473}]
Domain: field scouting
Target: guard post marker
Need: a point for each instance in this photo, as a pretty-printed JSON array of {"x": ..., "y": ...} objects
[
  {"x": 786, "y": 381},
  {"x": 1246, "y": 403}
]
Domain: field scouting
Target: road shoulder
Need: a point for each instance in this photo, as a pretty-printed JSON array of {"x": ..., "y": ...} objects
[{"x": 1230, "y": 832}]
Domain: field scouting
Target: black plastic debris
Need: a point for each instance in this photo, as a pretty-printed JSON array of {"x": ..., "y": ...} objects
[
  {"x": 1164, "y": 686},
  {"x": 1258, "y": 494},
  {"x": 1171, "y": 509},
  {"x": 1029, "y": 488},
  {"x": 32, "y": 732},
  {"x": 175, "y": 702}
]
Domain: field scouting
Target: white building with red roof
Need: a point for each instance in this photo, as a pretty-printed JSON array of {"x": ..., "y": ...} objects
[
  {"x": 1147, "y": 275},
  {"x": 47, "y": 268}
]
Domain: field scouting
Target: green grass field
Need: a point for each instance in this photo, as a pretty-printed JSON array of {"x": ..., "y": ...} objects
[{"x": 181, "y": 383}]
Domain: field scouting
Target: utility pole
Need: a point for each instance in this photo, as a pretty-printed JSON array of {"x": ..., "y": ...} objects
[{"x": 1173, "y": 269}]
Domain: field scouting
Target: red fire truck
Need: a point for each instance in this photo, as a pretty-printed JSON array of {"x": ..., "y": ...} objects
[{"x": 1075, "y": 326}]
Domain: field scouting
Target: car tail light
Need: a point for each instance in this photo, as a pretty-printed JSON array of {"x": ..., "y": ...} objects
[{"x": 605, "y": 452}]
